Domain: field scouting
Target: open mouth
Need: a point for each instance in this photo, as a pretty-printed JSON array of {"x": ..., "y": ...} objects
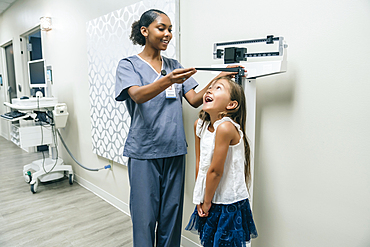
[{"x": 208, "y": 99}]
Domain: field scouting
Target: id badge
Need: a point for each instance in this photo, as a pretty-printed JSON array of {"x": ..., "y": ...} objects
[{"x": 171, "y": 92}]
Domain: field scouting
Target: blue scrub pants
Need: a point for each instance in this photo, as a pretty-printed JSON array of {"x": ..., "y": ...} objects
[{"x": 157, "y": 196}]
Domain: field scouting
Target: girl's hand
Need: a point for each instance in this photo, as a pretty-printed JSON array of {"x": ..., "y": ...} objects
[
  {"x": 205, "y": 207},
  {"x": 200, "y": 211},
  {"x": 231, "y": 74},
  {"x": 181, "y": 75}
]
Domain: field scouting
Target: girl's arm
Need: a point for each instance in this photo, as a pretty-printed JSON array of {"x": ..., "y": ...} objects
[
  {"x": 197, "y": 149},
  {"x": 141, "y": 94},
  {"x": 197, "y": 155},
  {"x": 226, "y": 133}
]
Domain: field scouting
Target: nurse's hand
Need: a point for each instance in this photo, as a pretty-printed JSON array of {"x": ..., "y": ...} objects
[
  {"x": 181, "y": 75},
  {"x": 231, "y": 74}
]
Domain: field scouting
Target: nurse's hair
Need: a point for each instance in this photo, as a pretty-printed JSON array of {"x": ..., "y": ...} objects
[
  {"x": 238, "y": 115},
  {"x": 145, "y": 20}
]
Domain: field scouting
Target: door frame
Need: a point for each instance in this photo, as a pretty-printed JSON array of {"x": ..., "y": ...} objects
[{"x": 4, "y": 97}]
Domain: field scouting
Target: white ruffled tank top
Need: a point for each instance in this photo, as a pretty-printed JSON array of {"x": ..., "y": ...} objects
[{"x": 232, "y": 187}]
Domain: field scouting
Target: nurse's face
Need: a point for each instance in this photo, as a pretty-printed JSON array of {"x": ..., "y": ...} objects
[{"x": 159, "y": 33}]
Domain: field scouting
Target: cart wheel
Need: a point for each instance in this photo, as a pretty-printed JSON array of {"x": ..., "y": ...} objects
[
  {"x": 28, "y": 178},
  {"x": 34, "y": 188},
  {"x": 70, "y": 179}
]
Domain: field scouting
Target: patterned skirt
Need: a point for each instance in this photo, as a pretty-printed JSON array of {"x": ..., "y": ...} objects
[{"x": 226, "y": 225}]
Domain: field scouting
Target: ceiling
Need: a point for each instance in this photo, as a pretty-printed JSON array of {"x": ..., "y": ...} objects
[{"x": 4, "y": 4}]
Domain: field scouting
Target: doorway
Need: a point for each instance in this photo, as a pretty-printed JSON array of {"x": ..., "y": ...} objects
[
  {"x": 9, "y": 60},
  {"x": 34, "y": 45},
  {"x": 31, "y": 43},
  {"x": 8, "y": 88}
]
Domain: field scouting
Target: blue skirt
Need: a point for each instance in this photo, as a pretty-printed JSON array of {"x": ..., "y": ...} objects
[{"x": 226, "y": 225}]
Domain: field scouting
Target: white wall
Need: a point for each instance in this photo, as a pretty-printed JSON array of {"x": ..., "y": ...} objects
[
  {"x": 311, "y": 183},
  {"x": 312, "y": 172}
]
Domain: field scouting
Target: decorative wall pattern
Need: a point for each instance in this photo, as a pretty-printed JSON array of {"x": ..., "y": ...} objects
[{"x": 107, "y": 43}]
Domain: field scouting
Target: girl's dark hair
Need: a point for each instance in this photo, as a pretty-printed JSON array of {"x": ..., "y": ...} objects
[
  {"x": 238, "y": 115},
  {"x": 145, "y": 20}
]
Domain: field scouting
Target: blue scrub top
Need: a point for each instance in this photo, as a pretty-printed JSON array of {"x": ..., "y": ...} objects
[{"x": 157, "y": 129}]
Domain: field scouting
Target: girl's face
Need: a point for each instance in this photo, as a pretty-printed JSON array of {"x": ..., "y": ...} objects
[
  {"x": 217, "y": 98},
  {"x": 159, "y": 33}
]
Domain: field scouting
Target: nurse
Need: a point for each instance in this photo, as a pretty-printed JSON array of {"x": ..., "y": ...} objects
[{"x": 152, "y": 87}]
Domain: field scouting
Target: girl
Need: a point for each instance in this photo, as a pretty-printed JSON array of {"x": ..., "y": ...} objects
[
  {"x": 222, "y": 216},
  {"x": 152, "y": 87}
]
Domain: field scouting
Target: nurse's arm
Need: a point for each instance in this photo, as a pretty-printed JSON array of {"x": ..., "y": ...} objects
[
  {"x": 196, "y": 99},
  {"x": 141, "y": 94}
]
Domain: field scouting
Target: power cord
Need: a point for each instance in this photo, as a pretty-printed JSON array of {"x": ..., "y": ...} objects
[
  {"x": 41, "y": 119},
  {"x": 56, "y": 144},
  {"x": 78, "y": 163}
]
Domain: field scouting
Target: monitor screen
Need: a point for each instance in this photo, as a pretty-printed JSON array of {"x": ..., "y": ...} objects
[{"x": 36, "y": 71}]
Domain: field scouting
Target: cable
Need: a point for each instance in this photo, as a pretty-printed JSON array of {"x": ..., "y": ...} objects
[
  {"x": 78, "y": 163},
  {"x": 56, "y": 145},
  {"x": 42, "y": 138},
  {"x": 42, "y": 119},
  {"x": 56, "y": 148}
]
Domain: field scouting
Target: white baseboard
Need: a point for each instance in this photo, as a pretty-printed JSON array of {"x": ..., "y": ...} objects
[
  {"x": 185, "y": 242},
  {"x": 5, "y": 135},
  {"x": 120, "y": 205},
  {"x": 114, "y": 201}
]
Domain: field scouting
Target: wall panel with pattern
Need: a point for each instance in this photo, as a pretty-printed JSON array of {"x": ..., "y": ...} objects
[{"x": 107, "y": 43}]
